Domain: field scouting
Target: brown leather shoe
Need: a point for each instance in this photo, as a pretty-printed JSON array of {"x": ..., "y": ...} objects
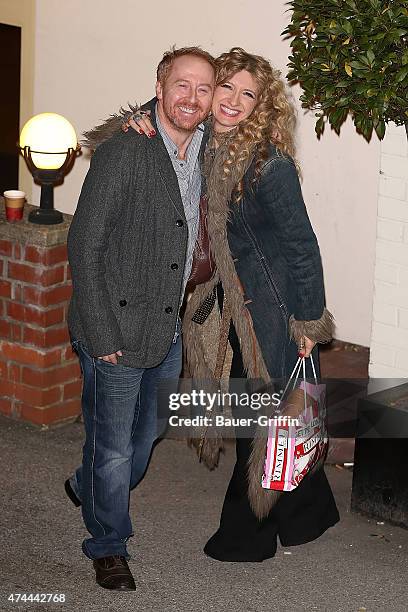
[
  {"x": 70, "y": 492},
  {"x": 114, "y": 573}
]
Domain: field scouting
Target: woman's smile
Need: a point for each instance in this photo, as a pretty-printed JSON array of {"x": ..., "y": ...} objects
[{"x": 228, "y": 111}]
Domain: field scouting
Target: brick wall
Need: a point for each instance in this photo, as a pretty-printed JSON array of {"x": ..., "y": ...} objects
[
  {"x": 389, "y": 337},
  {"x": 39, "y": 374}
]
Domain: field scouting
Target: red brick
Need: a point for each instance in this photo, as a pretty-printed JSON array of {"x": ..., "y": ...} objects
[
  {"x": 5, "y": 289},
  {"x": 57, "y": 254},
  {"x": 14, "y": 372},
  {"x": 54, "y": 414},
  {"x": 68, "y": 274},
  {"x": 6, "y": 388},
  {"x": 30, "y": 356},
  {"x": 16, "y": 332},
  {"x": 17, "y": 251},
  {"x": 49, "y": 317},
  {"x": 52, "y": 276},
  {"x": 36, "y": 396},
  {"x": 32, "y": 414},
  {"x": 5, "y": 329},
  {"x": 35, "y": 336},
  {"x": 16, "y": 311},
  {"x": 68, "y": 372},
  {"x": 59, "y": 294},
  {"x": 69, "y": 354},
  {"x": 34, "y": 254},
  {"x": 5, "y": 406},
  {"x": 3, "y": 370},
  {"x": 51, "y": 377},
  {"x": 37, "y": 378},
  {"x": 33, "y": 295},
  {"x": 57, "y": 335},
  {"x": 1, "y": 267},
  {"x": 6, "y": 247},
  {"x": 46, "y": 338},
  {"x": 36, "y": 275},
  {"x": 43, "y": 318},
  {"x": 17, "y": 292},
  {"x": 46, "y": 256},
  {"x": 52, "y": 358},
  {"x": 24, "y": 273},
  {"x": 73, "y": 389}
]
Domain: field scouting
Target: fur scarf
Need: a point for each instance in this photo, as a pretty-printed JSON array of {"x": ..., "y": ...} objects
[
  {"x": 111, "y": 126},
  {"x": 220, "y": 189}
]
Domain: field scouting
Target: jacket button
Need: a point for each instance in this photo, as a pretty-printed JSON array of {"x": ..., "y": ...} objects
[
  {"x": 168, "y": 309},
  {"x": 122, "y": 303},
  {"x": 174, "y": 266},
  {"x": 179, "y": 222}
]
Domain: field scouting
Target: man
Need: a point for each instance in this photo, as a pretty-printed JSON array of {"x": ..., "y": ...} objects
[{"x": 130, "y": 249}]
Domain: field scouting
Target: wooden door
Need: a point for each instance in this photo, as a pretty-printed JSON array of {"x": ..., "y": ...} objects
[{"x": 10, "y": 69}]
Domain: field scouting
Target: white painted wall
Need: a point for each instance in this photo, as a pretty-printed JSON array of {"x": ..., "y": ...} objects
[
  {"x": 389, "y": 340},
  {"x": 94, "y": 55}
]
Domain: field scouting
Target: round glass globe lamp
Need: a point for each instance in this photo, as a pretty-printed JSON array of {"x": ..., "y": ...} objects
[
  {"x": 48, "y": 144},
  {"x": 49, "y": 136}
]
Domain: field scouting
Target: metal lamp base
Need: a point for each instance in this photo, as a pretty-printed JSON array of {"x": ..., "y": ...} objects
[
  {"x": 47, "y": 177},
  {"x": 43, "y": 216}
]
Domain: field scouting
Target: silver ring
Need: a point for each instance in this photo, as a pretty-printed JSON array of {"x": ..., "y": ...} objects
[{"x": 136, "y": 116}]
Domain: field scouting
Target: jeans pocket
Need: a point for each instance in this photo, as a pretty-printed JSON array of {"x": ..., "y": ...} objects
[{"x": 102, "y": 362}]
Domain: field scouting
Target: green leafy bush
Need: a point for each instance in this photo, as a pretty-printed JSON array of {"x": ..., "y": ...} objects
[{"x": 351, "y": 56}]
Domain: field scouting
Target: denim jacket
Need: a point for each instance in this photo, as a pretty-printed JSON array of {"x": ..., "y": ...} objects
[{"x": 276, "y": 257}]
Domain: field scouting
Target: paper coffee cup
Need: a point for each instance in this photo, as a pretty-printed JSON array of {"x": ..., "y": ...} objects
[{"x": 14, "y": 201}]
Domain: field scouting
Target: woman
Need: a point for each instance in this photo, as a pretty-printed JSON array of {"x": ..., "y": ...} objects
[
  {"x": 268, "y": 264},
  {"x": 261, "y": 236}
]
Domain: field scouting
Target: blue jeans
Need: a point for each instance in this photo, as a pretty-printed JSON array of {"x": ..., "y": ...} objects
[{"x": 120, "y": 415}]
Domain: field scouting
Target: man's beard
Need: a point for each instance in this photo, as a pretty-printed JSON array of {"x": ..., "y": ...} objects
[{"x": 185, "y": 124}]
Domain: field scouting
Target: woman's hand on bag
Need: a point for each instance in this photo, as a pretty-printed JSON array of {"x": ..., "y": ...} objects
[
  {"x": 140, "y": 122},
  {"x": 306, "y": 347}
]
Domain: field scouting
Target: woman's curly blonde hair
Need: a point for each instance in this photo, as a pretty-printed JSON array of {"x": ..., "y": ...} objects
[{"x": 271, "y": 122}]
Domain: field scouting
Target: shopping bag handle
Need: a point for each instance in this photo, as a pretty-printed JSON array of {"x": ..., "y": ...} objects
[{"x": 300, "y": 365}]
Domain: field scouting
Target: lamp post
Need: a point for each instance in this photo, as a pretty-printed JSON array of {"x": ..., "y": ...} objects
[{"x": 48, "y": 144}]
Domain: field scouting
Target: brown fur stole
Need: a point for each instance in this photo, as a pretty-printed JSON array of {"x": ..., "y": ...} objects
[{"x": 220, "y": 189}]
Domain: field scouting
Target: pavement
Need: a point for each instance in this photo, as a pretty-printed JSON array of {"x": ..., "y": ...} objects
[{"x": 357, "y": 565}]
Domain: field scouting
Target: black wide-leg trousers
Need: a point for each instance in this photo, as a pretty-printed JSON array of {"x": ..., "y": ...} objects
[{"x": 299, "y": 516}]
